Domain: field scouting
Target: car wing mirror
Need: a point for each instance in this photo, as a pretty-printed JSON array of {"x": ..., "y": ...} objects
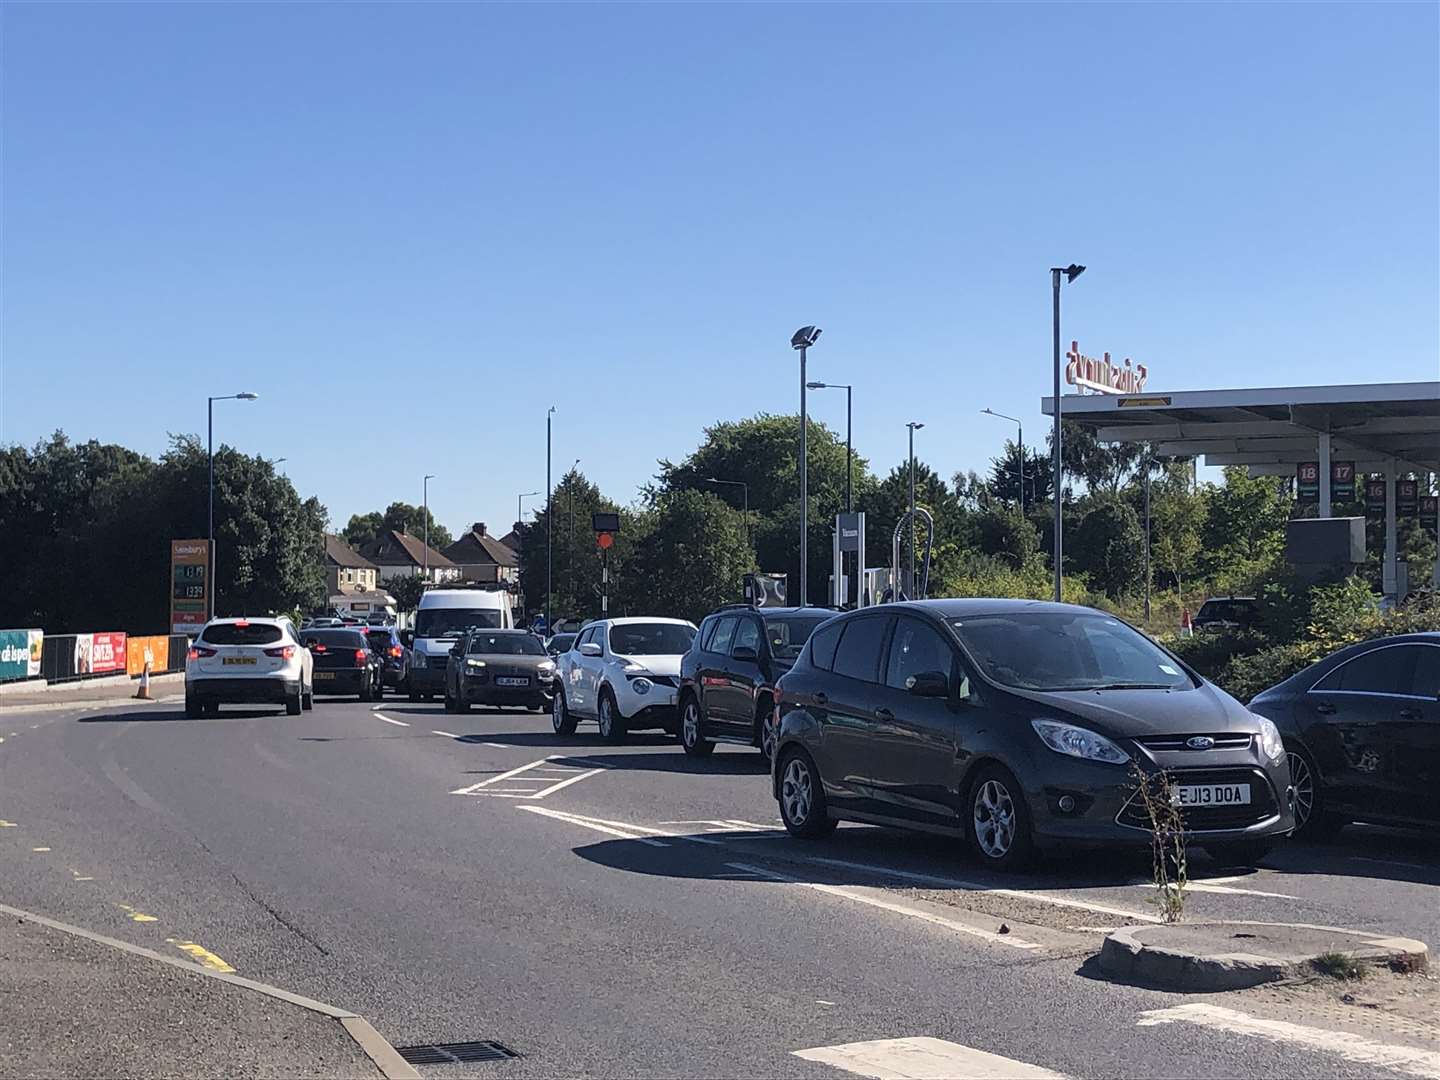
[
  {"x": 407, "y": 638},
  {"x": 928, "y": 684},
  {"x": 590, "y": 649},
  {"x": 744, "y": 652}
]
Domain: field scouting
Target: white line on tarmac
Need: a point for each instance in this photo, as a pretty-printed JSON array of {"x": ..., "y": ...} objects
[
  {"x": 587, "y": 823},
  {"x": 397, "y": 723},
  {"x": 852, "y": 893},
  {"x": 496, "y": 779},
  {"x": 1411, "y": 1060},
  {"x": 447, "y": 734},
  {"x": 564, "y": 784},
  {"x": 1205, "y": 886},
  {"x": 923, "y": 1059}
]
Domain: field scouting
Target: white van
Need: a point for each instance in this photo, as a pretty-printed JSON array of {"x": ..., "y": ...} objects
[{"x": 440, "y": 618}]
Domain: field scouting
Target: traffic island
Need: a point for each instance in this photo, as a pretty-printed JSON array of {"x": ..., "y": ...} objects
[{"x": 1210, "y": 957}]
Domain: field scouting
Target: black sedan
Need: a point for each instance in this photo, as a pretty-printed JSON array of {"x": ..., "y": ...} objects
[
  {"x": 344, "y": 663},
  {"x": 394, "y": 656},
  {"x": 1362, "y": 728},
  {"x": 501, "y": 668},
  {"x": 1016, "y": 724}
]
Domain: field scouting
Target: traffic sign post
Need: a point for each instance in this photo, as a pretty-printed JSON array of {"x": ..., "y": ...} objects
[{"x": 606, "y": 524}]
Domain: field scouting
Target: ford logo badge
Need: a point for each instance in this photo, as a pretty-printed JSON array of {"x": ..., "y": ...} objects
[{"x": 1200, "y": 742}]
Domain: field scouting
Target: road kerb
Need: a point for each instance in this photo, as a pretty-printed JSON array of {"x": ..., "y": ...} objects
[
  {"x": 1218, "y": 956},
  {"x": 370, "y": 1041}
]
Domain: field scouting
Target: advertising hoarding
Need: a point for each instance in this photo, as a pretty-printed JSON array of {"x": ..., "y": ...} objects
[
  {"x": 99, "y": 654},
  {"x": 15, "y": 654},
  {"x": 140, "y": 649}
]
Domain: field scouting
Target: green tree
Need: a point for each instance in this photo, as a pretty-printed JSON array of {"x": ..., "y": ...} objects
[
  {"x": 362, "y": 529},
  {"x": 1108, "y": 547},
  {"x": 1177, "y": 515},
  {"x": 691, "y": 556},
  {"x": 1243, "y": 535},
  {"x": 889, "y": 500},
  {"x": 407, "y": 590},
  {"x": 575, "y": 557},
  {"x": 1106, "y": 468},
  {"x": 1004, "y": 482},
  {"x": 1007, "y": 533},
  {"x": 402, "y": 517}
]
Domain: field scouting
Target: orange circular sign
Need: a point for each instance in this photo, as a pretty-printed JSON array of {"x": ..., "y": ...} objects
[{"x": 605, "y": 540}]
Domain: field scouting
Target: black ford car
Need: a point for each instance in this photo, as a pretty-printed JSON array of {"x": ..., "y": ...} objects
[
  {"x": 1014, "y": 723},
  {"x": 344, "y": 663}
]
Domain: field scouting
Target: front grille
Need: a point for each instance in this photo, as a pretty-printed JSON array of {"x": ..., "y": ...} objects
[
  {"x": 1228, "y": 741},
  {"x": 1202, "y": 818},
  {"x": 455, "y": 1053}
]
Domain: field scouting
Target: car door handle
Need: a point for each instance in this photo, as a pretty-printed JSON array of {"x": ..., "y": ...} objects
[
  {"x": 821, "y": 698},
  {"x": 1324, "y": 708},
  {"x": 885, "y": 715}
]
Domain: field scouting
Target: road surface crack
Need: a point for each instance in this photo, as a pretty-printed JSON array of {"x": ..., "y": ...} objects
[{"x": 278, "y": 917}]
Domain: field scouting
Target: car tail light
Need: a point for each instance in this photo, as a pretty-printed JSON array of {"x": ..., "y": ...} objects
[
  {"x": 284, "y": 652},
  {"x": 396, "y": 651},
  {"x": 242, "y": 623},
  {"x": 197, "y": 652},
  {"x": 361, "y": 656},
  {"x": 317, "y": 647}
]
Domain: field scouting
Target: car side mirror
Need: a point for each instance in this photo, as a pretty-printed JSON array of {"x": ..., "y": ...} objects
[
  {"x": 407, "y": 638},
  {"x": 928, "y": 684},
  {"x": 744, "y": 652},
  {"x": 590, "y": 649}
]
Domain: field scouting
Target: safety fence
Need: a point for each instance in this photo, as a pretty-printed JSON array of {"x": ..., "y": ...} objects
[{"x": 33, "y": 654}]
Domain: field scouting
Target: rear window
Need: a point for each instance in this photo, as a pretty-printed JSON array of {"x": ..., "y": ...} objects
[
  {"x": 242, "y": 634},
  {"x": 380, "y": 639},
  {"x": 337, "y": 639},
  {"x": 788, "y": 634},
  {"x": 505, "y": 645}
]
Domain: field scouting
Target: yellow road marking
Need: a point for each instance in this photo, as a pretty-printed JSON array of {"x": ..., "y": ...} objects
[
  {"x": 78, "y": 876},
  {"x": 202, "y": 954},
  {"x": 8, "y": 825},
  {"x": 137, "y": 916},
  {"x": 39, "y": 849}
]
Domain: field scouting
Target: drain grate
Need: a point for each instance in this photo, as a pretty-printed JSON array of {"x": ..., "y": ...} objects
[{"x": 455, "y": 1053}]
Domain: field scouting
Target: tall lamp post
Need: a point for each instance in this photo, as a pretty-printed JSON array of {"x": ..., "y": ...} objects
[
  {"x": 802, "y": 339},
  {"x": 520, "y": 505},
  {"x": 914, "y": 426},
  {"x": 549, "y": 522},
  {"x": 1070, "y": 272},
  {"x": 244, "y": 395},
  {"x": 744, "y": 494},
  {"x": 1020, "y": 437},
  {"x": 849, "y": 490},
  {"x": 425, "y": 514}
]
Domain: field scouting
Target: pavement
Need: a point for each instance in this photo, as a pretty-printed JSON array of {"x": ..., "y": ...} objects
[
  {"x": 625, "y": 910},
  {"x": 34, "y": 693}
]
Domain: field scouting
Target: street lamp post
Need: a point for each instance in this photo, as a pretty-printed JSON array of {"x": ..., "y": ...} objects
[
  {"x": 849, "y": 489},
  {"x": 744, "y": 495},
  {"x": 914, "y": 426},
  {"x": 425, "y": 514},
  {"x": 549, "y": 522},
  {"x": 802, "y": 339},
  {"x": 520, "y": 505},
  {"x": 244, "y": 395},
  {"x": 1020, "y": 437},
  {"x": 1071, "y": 272}
]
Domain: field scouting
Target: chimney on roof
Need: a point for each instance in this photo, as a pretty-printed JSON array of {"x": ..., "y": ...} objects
[{"x": 479, "y": 528}]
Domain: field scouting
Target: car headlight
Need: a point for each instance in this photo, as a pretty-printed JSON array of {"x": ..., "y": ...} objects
[
  {"x": 1270, "y": 741},
  {"x": 545, "y": 667},
  {"x": 632, "y": 668},
  {"x": 417, "y": 660},
  {"x": 641, "y": 685},
  {"x": 471, "y": 662},
  {"x": 1078, "y": 742}
]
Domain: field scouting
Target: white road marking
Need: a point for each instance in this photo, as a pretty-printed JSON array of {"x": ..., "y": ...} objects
[
  {"x": 1411, "y": 1060},
  {"x": 1205, "y": 886},
  {"x": 543, "y": 773},
  {"x": 497, "y": 745},
  {"x": 586, "y": 823},
  {"x": 447, "y": 734},
  {"x": 496, "y": 779},
  {"x": 397, "y": 723},
  {"x": 971, "y": 886},
  {"x": 851, "y": 893},
  {"x": 564, "y": 784},
  {"x": 923, "y": 1058}
]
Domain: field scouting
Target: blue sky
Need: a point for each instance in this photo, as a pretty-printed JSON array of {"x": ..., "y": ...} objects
[{"x": 413, "y": 228}]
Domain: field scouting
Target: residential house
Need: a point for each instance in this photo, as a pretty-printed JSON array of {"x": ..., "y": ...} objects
[
  {"x": 398, "y": 554},
  {"x": 346, "y": 570},
  {"x": 483, "y": 558}
]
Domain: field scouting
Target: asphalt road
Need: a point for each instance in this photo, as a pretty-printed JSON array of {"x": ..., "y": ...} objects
[{"x": 609, "y": 911}]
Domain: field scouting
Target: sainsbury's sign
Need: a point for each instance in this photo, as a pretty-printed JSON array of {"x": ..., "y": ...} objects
[{"x": 1103, "y": 375}]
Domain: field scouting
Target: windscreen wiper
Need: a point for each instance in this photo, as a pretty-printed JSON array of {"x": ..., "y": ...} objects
[{"x": 1131, "y": 686}]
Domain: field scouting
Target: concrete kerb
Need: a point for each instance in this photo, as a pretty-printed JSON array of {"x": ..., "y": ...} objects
[
  {"x": 1219, "y": 956},
  {"x": 371, "y": 1043},
  {"x": 99, "y": 688}
]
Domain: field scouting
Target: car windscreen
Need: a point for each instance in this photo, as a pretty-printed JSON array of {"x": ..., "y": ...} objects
[
  {"x": 452, "y": 621},
  {"x": 505, "y": 645},
  {"x": 562, "y": 642},
  {"x": 336, "y": 639},
  {"x": 242, "y": 634},
  {"x": 380, "y": 639},
  {"x": 1064, "y": 650},
  {"x": 789, "y": 633},
  {"x": 651, "y": 639}
]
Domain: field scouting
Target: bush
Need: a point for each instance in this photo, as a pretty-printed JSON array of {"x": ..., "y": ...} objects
[
  {"x": 1245, "y": 676},
  {"x": 1210, "y": 653}
]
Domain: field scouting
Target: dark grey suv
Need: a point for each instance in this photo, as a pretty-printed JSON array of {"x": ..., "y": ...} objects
[{"x": 1014, "y": 723}]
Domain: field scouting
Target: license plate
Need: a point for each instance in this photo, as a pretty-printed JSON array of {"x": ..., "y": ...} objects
[
  {"x": 238, "y": 660},
  {"x": 321, "y": 676},
  {"x": 1212, "y": 795},
  {"x": 511, "y": 680}
]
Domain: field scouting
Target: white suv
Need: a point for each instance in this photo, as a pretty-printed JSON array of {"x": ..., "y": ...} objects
[
  {"x": 623, "y": 673},
  {"x": 248, "y": 661}
]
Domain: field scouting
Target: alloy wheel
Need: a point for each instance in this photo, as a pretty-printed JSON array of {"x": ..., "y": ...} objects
[
  {"x": 795, "y": 791},
  {"x": 691, "y": 722},
  {"x": 606, "y": 717},
  {"x": 767, "y": 738},
  {"x": 557, "y": 712},
  {"x": 1303, "y": 781},
  {"x": 994, "y": 814}
]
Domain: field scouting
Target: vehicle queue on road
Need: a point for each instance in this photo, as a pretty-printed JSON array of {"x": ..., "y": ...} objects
[{"x": 1016, "y": 725}]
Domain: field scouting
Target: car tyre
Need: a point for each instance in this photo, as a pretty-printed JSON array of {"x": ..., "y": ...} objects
[
  {"x": 612, "y": 724},
  {"x": 691, "y": 729},
  {"x": 997, "y": 820},
  {"x": 451, "y": 705},
  {"x": 307, "y": 698},
  {"x": 1245, "y": 853},
  {"x": 293, "y": 704},
  {"x": 1312, "y": 821},
  {"x": 415, "y": 696},
  {"x": 194, "y": 707},
  {"x": 561, "y": 719},
  {"x": 802, "y": 798}
]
